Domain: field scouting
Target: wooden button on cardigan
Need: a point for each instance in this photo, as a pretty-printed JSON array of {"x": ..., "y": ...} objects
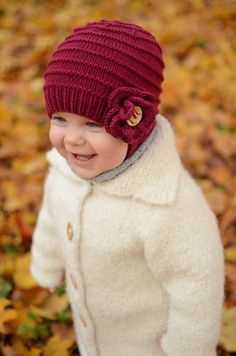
[
  {"x": 73, "y": 280},
  {"x": 69, "y": 231},
  {"x": 83, "y": 321}
]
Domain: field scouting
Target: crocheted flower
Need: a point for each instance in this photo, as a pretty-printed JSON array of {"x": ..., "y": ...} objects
[{"x": 121, "y": 107}]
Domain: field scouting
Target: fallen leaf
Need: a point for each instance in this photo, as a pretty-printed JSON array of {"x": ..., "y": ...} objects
[
  {"x": 6, "y": 265},
  {"x": 228, "y": 332},
  {"x": 52, "y": 306},
  {"x": 217, "y": 199},
  {"x": 230, "y": 254},
  {"x": 19, "y": 349},
  {"x": 221, "y": 175},
  {"x": 22, "y": 276},
  {"x": 228, "y": 219},
  {"x": 230, "y": 272},
  {"x": 64, "y": 331},
  {"x": 25, "y": 228},
  {"x": 14, "y": 200},
  {"x": 7, "y": 313},
  {"x": 56, "y": 346}
]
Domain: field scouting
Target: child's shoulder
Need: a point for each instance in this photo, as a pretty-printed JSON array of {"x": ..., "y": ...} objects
[
  {"x": 153, "y": 178},
  {"x": 190, "y": 196}
]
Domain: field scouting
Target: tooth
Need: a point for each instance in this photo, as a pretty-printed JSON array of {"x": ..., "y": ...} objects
[{"x": 83, "y": 158}]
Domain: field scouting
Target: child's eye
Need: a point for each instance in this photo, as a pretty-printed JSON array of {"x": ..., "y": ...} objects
[
  {"x": 59, "y": 119},
  {"x": 92, "y": 124}
]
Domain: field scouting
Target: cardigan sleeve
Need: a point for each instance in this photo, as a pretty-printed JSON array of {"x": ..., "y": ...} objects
[
  {"x": 47, "y": 262},
  {"x": 188, "y": 260}
]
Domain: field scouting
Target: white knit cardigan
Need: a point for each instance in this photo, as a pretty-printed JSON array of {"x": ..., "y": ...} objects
[{"x": 141, "y": 254}]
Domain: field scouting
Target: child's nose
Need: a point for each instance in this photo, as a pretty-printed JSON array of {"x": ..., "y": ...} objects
[{"x": 74, "y": 137}]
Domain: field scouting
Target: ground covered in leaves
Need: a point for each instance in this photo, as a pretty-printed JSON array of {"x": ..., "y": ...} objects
[{"x": 199, "y": 42}]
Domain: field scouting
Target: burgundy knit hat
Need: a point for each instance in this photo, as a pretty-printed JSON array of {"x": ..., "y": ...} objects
[{"x": 106, "y": 71}]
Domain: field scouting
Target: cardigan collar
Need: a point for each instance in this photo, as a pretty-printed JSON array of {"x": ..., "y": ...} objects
[{"x": 153, "y": 178}]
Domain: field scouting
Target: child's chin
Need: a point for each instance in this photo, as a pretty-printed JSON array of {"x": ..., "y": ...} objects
[{"x": 82, "y": 173}]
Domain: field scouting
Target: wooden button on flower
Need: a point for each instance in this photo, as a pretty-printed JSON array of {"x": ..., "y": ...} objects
[
  {"x": 136, "y": 118},
  {"x": 69, "y": 231}
]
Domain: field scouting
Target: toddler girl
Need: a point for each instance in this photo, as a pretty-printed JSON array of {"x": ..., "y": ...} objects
[{"x": 121, "y": 216}]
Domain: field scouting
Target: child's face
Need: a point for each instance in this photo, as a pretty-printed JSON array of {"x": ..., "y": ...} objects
[{"x": 86, "y": 145}]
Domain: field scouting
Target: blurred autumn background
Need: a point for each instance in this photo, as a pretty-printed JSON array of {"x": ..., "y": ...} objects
[{"x": 199, "y": 42}]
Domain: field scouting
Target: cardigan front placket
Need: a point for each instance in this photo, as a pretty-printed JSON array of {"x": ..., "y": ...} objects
[{"x": 74, "y": 275}]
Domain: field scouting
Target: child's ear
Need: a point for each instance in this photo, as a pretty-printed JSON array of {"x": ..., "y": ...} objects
[{"x": 135, "y": 119}]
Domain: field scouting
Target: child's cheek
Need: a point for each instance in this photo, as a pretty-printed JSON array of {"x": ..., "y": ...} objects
[
  {"x": 54, "y": 136},
  {"x": 57, "y": 141}
]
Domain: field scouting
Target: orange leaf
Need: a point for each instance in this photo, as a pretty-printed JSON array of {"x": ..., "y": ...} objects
[
  {"x": 228, "y": 219},
  {"x": 217, "y": 199},
  {"x": 221, "y": 174},
  {"x": 25, "y": 229}
]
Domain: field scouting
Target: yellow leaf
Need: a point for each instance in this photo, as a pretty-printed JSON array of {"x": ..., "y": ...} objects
[
  {"x": 230, "y": 254},
  {"x": 22, "y": 315},
  {"x": 6, "y": 314},
  {"x": 29, "y": 165},
  {"x": 14, "y": 199},
  {"x": 57, "y": 347},
  {"x": 6, "y": 265},
  {"x": 228, "y": 332},
  {"x": 52, "y": 306},
  {"x": 21, "y": 276}
]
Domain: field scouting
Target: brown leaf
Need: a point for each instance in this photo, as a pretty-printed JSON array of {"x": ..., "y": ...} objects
[
  {"x": 64, "y": 331},
  {"x": 35, "y": 296}
]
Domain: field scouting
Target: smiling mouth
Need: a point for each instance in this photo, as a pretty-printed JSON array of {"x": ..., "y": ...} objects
[{"x": 81, "y": 157}]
